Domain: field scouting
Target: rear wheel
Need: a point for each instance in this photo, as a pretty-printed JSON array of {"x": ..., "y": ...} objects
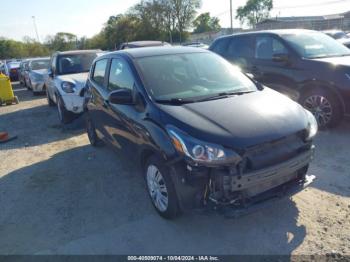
[
  {"x": 64, "y": 115},
  {"x": 161, "y": 188},
  {"x": 324, "y": 105}
]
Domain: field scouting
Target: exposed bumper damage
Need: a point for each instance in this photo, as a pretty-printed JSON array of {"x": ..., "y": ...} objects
[
  {"x": 235, "y": 194},
  {"x": 268, "y": 198}
]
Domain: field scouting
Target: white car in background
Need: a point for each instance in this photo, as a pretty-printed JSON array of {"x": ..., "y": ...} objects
[
  {"x": 67, "y": 75},
  {"x": 36, "y": 74}
]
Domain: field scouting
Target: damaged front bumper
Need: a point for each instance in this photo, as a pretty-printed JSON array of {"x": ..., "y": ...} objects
[
  {"x": 241, "y": 193},
  {"x": 267, "y": 198}
]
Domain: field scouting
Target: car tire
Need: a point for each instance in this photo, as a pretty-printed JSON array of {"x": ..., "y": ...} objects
[
  {"x": 64, "y": 115},
  {"x": 161, "y": 188},
  {"x": 50, "y": 102},
  {"x": 95, "y": 141},
  {"x": 324, "y": 105}
]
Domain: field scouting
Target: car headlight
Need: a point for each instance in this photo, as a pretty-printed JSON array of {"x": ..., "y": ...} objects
[
  {"x": 68, "y": 87},
  {"x": 200, "y": 151},
  {"x": 312, "y": 127}
]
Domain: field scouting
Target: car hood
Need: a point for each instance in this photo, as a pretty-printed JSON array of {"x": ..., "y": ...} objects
[
  {"x": 238, "y": 121},
  {"x": 338, "y": 60},
  {"x": 78, "y": 79},
  {"x": 40, "y": 71}
]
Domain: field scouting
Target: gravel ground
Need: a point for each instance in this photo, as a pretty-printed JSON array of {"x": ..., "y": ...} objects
[{"x": 58, "y": 195}]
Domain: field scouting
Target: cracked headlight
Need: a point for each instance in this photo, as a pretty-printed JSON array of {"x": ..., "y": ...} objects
[
  {"x": 199, "y": 151},
  {"x": 312, "y": 127},
  {"x": 68, "y": 87}
]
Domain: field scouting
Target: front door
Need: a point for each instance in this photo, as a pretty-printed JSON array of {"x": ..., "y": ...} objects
[
  {"x": 122, "y": 130},
  {"x": 278, "y": 75}
]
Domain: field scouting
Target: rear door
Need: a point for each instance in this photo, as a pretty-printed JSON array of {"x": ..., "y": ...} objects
[{"x": 240, "y": 51}]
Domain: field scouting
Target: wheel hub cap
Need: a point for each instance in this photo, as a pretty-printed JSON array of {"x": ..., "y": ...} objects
[
  {"x": 157, "y": 188},
  {"x": 320, "y": 107}
]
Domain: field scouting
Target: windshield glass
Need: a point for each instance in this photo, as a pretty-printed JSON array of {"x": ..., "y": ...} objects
[
  {"x": 40, "y": 64},
  {"x": 191, "y": 76},
  {"x": 75, "y": 63},
  {"x": 316, "y": 45}
]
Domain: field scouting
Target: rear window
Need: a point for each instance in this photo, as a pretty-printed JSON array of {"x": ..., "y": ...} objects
[
  {"x": 75, "y": 63},
  {"x": 40, "y": 64}
]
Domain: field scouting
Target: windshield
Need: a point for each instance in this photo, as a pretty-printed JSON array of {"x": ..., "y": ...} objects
[
  {"x": 191, "y": 76},
  {"x": 40, "y": 64},
  {"x": 316, "y": 45},
  {"x": 75, "y": 63}
]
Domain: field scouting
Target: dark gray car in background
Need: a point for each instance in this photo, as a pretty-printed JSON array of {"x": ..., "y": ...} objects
[{"x": 309, "y": 66}]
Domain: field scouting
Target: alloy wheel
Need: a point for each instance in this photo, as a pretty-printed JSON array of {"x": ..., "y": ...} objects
[
  {"x": 157, "y": 188},
  {"x": 320, "y": 107}
]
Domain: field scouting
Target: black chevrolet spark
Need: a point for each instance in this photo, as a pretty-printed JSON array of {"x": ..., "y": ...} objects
[
  {"x": 204, "y": 133},
  {"x": 309, "y": 66}
]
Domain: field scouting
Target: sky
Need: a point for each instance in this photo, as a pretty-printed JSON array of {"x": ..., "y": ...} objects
[{"x": 86, "y": 17}]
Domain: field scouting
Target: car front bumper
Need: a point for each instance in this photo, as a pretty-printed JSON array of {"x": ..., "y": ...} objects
[
  {"x": 73, "y": 103},
  {"x": 268, "y": 198},
  {"x": 37, "y": 86},
  {"x": 236, "y": 192}
]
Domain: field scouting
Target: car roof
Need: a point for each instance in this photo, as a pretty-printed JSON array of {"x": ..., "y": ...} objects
[
  {"x": 334, "y": 31},
  {"x": 145, "y": 43},
  {"x": 156, "y": 51},
  {"x": 274, "y": 31},
  {"x": 38, "y": 58},
  {"x": 72, "y": 52}
]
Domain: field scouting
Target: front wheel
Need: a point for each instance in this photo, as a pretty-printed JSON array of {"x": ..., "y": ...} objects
[
  {"x": 64, "y": 115},
  {"x": 50, "y": 102},
  {"x": 95, "y": 141},
  {"x": 161, "y": 188},
  {"x": 324, "y": 105}
]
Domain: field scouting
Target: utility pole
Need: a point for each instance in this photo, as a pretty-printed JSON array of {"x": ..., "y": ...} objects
[
  {"x": 231, "y": 16},
  {"x": 36, "y": 29}
]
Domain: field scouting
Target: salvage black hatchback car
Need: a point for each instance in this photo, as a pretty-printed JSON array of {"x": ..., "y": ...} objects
[
  {"x": 205, "y": 134},
  {"x": 309, "y": 66}
]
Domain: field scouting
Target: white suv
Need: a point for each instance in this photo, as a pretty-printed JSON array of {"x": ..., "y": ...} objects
[{"x": 65, "y": 84}]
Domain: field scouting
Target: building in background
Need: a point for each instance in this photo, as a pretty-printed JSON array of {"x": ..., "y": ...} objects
[{"x": 336, "y": 21}]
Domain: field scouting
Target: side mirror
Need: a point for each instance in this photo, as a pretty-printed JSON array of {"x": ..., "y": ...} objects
[
  {"x": 50, "y": 73},
  {"x": 122, "y": 96},
  {"x": 280, "y": 58}
]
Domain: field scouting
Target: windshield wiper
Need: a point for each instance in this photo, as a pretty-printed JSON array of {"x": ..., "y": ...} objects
[
  {"x": 175, "y": 101},
  {"x": 223, "y": 95}
]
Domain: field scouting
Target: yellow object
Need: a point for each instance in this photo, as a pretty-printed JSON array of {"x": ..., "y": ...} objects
[{"x": 6, "y": 93}]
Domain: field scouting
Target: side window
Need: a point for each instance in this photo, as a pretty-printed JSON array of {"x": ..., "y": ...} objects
[
  {"x": 241, "y": 47},
  {"x": 267, "y": 46},
  {"x": 120, "y": 75},
  {"x": 99, "y": 71},
  {"x": 221, "y": 46}
]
